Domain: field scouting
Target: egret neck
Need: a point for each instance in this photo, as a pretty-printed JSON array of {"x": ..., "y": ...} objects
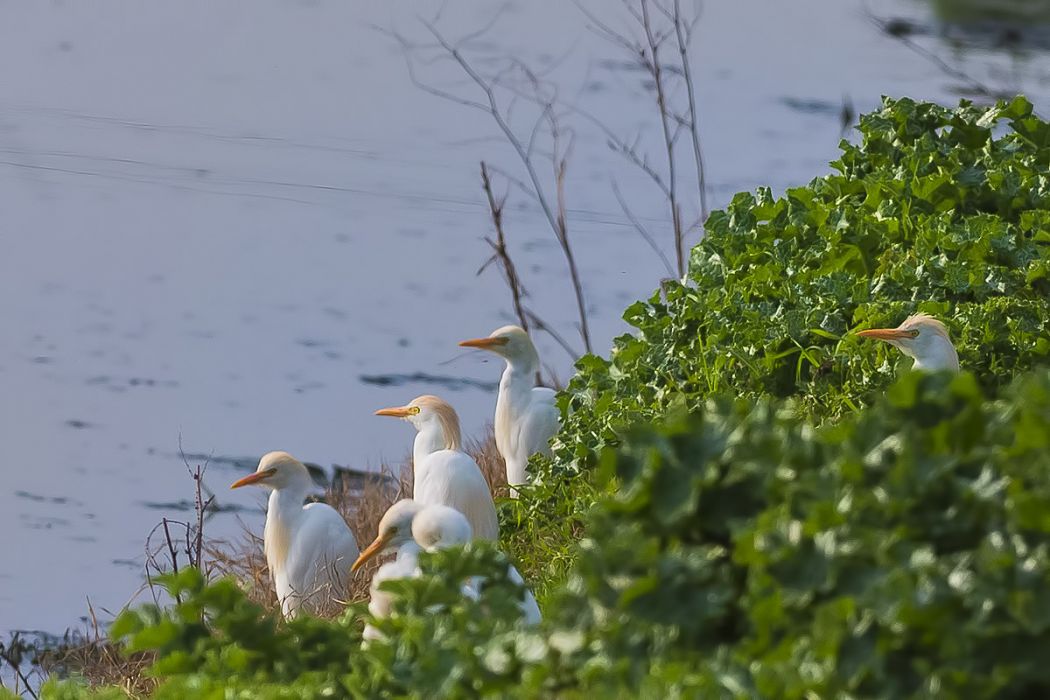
[
  {"x": 433, "y": 436},
  {"x": 513, "y": 401},
  {"x": 283, "y": 513}
]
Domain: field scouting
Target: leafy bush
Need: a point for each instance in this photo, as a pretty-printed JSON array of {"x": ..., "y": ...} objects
[
  {"x": 764, "y": 510},
  {"x": 903, "y": 552},
  {"x": 933, "y": 211}
]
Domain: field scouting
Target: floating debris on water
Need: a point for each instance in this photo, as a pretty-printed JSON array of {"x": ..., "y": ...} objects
[{"x": 450, "y": 383}]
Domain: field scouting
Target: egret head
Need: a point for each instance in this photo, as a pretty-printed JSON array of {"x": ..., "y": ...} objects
[
  {"x": 509, "y": 342},
  {"x": 921, "y": 337},
  {"x": 427, "y": 411},
  {"x": 437, "y": 526},
  {"x": 395, "y": 529},
  {"x": 277, "y": 470}
]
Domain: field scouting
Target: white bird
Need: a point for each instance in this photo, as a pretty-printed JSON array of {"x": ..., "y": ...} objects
[
  {"x": 444, "y": 475},
  {"x": 407, "y": 526},
  {"x": 395, "y": 533},
  {"x": 922, "y": 338},
  {"x": 437, "y": 527},
  {"x": 309, "y": 549},
  {"x": 526, "y": 417}
]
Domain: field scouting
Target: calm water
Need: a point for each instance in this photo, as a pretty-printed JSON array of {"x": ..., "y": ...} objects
[{"x": 219, "y": 220}]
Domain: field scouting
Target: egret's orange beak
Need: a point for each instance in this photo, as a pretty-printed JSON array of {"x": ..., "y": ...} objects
[
  {"x": 371, "y": 550},
  {"x": 253, "y": 478},
  {"x": 398, "y": 411},
  {"x": 483, "y": 343},
  {"x": 886, "y": 334}
]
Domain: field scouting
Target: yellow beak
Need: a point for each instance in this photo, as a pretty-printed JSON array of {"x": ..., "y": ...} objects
[
  {"x": 370, "y": 551},
  {"x": 483, "y": 343},
  {"x": 886, "y": 334},
  {"x": 398, "y": 411},
  {"x": 253, "y": 478}
]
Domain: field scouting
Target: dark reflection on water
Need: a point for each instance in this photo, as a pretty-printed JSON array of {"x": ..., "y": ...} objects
[
  {"x": 423, "y": 378},
  {"x": 244, "y": 230}
]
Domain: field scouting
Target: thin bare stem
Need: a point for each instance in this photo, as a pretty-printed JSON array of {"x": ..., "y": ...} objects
[
  {"x": 653, "y": 64},
  {"x": 684, "y": 34},
  {"x": 542, "y": 326},
  {"x": 556, "y": 219},
  {"x": 12, "y": 662},
  {"x": 500, "y": 252},
  {"x": 642, "y": 231}
]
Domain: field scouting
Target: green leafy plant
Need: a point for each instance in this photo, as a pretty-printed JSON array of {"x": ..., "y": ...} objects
[
  {"x": 937, "y": 210},
  {"x": 743, "y": 501}
]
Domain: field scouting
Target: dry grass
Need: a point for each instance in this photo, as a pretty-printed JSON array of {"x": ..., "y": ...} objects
[
  {"x": 362, "y": 509},
  {"x": 94, "y": 658}
]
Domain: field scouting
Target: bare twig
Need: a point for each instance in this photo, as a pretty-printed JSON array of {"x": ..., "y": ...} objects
[
  {"x": 645, "y": 53},
  {"x": 11, "y": 654},
  {"x": 642, "y": 231},
  {"x": 653, "y": 64},
  {"x": 974, "y": 85},
  {"x": 542, "y": 326},
  {"x": 554, "y": 213},
  {"x": 684, "y": 34},
  {"x": 500, "y": 253}
]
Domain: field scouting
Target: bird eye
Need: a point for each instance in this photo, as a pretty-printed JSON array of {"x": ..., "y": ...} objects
[{"x": 915, "y": 333}]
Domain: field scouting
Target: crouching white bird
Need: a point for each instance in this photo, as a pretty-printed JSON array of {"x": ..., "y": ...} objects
[
  {"x": 408, "y": 527},
  {"x": 309, "y": 548},
  {"x": 395, "y": 534},
  {"x": 922, "y": 338},
  {"x": 526, "y": 417},
  {"x": 444, "y": 475}
]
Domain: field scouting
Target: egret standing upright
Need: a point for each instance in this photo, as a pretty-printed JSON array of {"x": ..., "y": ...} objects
[
  {"x": 309, "y": 549},
  {"x": 922, "y": 338},
  {"x": 444, "y": 475},
  {"x": 526, "y": 417}
]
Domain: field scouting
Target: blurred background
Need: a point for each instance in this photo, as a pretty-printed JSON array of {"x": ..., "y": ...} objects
[{"x": 242, "y": 227}]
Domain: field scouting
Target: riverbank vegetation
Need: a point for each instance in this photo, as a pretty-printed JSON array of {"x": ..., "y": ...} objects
[{"x": 744, "y": 499}]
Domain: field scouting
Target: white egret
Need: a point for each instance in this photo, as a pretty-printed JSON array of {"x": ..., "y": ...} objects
[
  {"x": 526, "y": 417},
  {"x": 310, "y": 548},
  {"x": 444, "y": 475},
  {"x": 395, "y": 533},
  {"x": 432, "y": 528},
  {"x": 922, "y": 338},
  {"x": 437, "y": 527}
]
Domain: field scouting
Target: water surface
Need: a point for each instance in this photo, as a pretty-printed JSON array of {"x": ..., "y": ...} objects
[{"x": 240, "y": 226}]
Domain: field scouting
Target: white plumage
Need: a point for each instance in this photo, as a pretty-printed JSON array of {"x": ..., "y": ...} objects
[
  {"x": 443, "y": 474},
  {"x": 526, "y": 417},
  {"x": 922, "y": 338},
  {"x": 309, "y": 549},
  {"x": 431, "y": 528}
]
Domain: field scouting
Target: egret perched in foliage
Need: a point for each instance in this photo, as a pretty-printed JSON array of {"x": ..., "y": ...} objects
[
  {"x": 408, "y": 527},
  {"x": 309, "y": 549},
  {"x": 922, "y": 338},
  {"x": 395, "y": 533},
  {"x": 526, "y": 417},
  {"x": 444, "y": 475}
]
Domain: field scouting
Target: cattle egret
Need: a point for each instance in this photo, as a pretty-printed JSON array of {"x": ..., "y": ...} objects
[
  {"x": 432, "y": 528},
  {"x": 444, "y": 475},
  {"x": 395, "y": 533},
  {"x": 310, "y": 548},
  {"x": 437, "y": 527},
  {"x": 526, "y": 417},
  {"x": 922, "y": 338}
]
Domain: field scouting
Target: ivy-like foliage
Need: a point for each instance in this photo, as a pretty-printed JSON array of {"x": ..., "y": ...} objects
[
  {"x": 765, "y": 511},
  {"x": 940, "y": 210},
  {"x": 902, "y": 552}
]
